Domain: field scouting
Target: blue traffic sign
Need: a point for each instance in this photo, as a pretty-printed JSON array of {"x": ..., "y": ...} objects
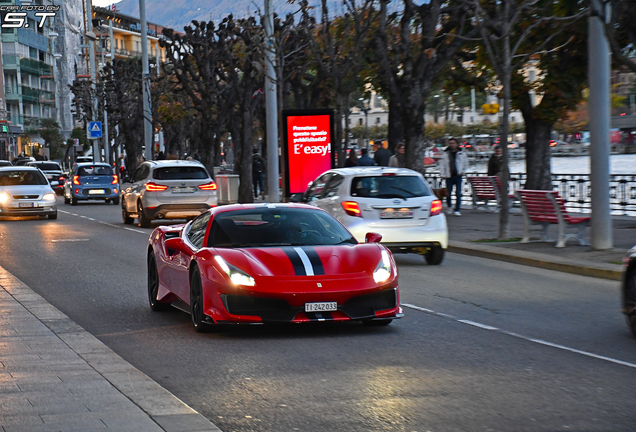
[{"x": 94, "y": 130}]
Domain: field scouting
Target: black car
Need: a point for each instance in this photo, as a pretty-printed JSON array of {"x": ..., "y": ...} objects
[{"x": 54, "y": 174}]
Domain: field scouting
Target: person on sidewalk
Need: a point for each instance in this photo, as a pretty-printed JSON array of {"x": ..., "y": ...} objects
[
  {"x": 258, "y": 168},
  {"x": 452, "y": 167},
  {"x": 494, "y": 163},
  {"x": 352, "y": 160},
  {"x": 398, "y": 160},
  {"x": 382, "y": 155},
  {"x": 365, "y": 159}
]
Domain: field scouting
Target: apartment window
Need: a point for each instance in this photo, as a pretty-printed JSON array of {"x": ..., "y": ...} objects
[
  {"x": 33, "y": 52},
  {"x": 360, "y": 122},
  {"x": 472, "y": 119},
  {"x": 377, "y": 120},
  {"x": 513, "y": 119}
]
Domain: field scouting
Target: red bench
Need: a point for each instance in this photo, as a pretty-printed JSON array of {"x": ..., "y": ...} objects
[
  {"x": 486, "y": 188},
  {"x": 547, "y": 208}
]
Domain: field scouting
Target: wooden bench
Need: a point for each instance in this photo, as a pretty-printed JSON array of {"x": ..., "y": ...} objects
[
  {"x": 547, "y": 208},
  {"x": 486, "y": 188}
]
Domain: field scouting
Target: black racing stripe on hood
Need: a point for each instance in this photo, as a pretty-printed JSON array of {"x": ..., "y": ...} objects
[
  {"x": 299, "y": 268},
  {"x": 319, "y": 270}
]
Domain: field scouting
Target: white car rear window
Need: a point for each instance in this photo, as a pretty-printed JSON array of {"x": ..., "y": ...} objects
[
  {"x": 180, "y": 173},
  {"x": 389, "y": 186}
]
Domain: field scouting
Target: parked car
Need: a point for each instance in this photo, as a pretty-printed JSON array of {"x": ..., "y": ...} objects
[
  {"x": 83, "y": 159},
  {"x": 5, "y": 163},
  {"x": 628, "y": 289},
  {"x": 23, "y": 160},
  {"x": 394, "y": 202},
  {"x": 24, "y": 191},
  {"x": 271, "y": 263},
  {"x": 89, "y": 181},
  {"x": 167, "y": 189},
  {"x": 54, "y": 173}
]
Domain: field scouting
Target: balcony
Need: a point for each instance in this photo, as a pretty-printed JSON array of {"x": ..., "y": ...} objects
[
  {"x": 47, "y": 97},
  {"x": 34, "y": 66},
  {"x": 10, "y": 61},
  {"x": 29, "y": 94},
  {"x": 122, "y": 52},
  {"x": 12, "y": 93},
  {"x": 31, "y": 122},
  {"x": 33, "y": 39},
  {"x": 15, "y": 119}
]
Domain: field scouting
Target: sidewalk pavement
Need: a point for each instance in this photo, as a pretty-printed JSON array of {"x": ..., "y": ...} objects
[
  {"x": 55, "y": 376},
  {"x": 475, "y": 233}
]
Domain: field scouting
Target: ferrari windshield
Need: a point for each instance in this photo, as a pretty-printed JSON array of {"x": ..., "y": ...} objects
[{"x": 267, "y": 226}]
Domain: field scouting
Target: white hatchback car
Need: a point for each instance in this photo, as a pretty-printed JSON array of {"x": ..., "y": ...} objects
[{"x": 394, "y": 202}]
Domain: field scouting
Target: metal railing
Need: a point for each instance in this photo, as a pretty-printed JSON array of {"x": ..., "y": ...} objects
[{"x": 574, "y": 188}]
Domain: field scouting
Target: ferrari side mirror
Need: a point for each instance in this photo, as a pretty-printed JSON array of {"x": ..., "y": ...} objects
[{"x": 372, "y": 237}]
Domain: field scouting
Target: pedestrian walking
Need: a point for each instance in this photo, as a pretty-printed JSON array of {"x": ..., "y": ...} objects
[
  {"x": 382, "y": 155},
  {"x": 452, "y": 167},
  {"x": 398, "y": 160},
  {"x": 365, "y": 159},
  {"x": 352, "y": 160},
  {"x": 258, "y": 168},
  {"x": 494, "y": 163}
]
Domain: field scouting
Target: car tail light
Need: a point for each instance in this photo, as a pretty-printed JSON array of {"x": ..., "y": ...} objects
[
  {"x": 388, "y": 174},
  {"x": 115, "y": 179},
  {"x": 352, "y": 208},
  {"x": 154, "y": 187},
  {"x": 208, "y": 186},
  {"x": 76, "y": 180},
  {"x": 76, "y": 191},
  {"x": 61, "y": 179},
  {"x": 436, "y": 207}
]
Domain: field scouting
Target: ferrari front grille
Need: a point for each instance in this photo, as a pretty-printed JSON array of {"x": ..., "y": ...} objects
[
  {"x": 365, "y": 306},
  {"x": 266, "y": 308}
]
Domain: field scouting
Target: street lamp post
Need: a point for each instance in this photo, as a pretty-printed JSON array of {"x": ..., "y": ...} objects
[
  {"x": 365, "y": 108},
  {"x": 145, "y": 80}
]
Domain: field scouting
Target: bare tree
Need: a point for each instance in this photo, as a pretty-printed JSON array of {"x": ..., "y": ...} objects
[{"x": 505, "y": 43}]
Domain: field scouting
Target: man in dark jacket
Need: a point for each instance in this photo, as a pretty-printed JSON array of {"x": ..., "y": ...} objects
[
  {"x": 382, "y": 155},
  {"x": 365, "y": 159},
  {"x": 258, "y": 168},
  {"x": 494, "y": 164}
]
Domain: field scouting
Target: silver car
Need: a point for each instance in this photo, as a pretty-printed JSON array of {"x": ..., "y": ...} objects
[
  {"x": 53, "y": 172},
  {"x": 394, "y": 202},
  {"x": 168, "y": 189},
  {"x": 24, "y": 191}
]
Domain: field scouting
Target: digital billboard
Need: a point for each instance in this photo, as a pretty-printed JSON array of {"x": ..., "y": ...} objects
[{"x": 308, "y": 147}]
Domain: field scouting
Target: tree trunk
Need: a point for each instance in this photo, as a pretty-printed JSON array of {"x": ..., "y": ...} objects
[
  {"x": 347, "y": 131},
  {"x": 504, "y": 211},
  {"x": 538, "y": 154},
  {"x": 414, "y": 135},
  {"x": 243, "y": 155},
  {"x": 396, "y": 126}
]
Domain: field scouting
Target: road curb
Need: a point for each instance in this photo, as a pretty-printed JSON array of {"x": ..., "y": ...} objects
[
  {"x": 533, "y": 259},
  {"x": 166, "y": 410}
]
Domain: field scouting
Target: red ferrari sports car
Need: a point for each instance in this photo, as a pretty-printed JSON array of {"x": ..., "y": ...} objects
[{"x": 271, "y": 263}]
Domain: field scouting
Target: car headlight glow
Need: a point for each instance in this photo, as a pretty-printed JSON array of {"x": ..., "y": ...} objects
[
  {"x": 382, "y": 272},
  {"x": 49, "y": 197},
  {"x": 4, "y": 197},
  {"x": 237, "y": 276}
]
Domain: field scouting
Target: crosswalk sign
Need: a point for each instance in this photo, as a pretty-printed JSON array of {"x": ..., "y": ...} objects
[{"x": 94, "y": 130}]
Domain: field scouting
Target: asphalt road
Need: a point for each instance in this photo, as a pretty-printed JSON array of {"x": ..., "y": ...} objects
[{"x": 484, "y": 345}]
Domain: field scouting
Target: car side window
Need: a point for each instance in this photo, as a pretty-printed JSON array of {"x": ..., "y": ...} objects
[
  {"x": 141, "y": 173},
  {"x": 197, "y": 230},
  {"x": 332, "y": 186},
  {"x": 318, "y": 186}
]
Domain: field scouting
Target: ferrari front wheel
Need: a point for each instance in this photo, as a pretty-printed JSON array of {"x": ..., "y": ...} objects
[
  {"x": 196, "y": 303},
  {"x": 153, "y": 285}
]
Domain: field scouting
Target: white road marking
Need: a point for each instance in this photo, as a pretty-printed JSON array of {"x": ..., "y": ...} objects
[
  {"x": 529, "y": 339},
  {"x": 476, "y": 324},
  {"x": 134, "y": 230},
  {"x": 309, "y": 270},
  {"x": 69, "y": 240},
  {"x": 103, "y": 223}
]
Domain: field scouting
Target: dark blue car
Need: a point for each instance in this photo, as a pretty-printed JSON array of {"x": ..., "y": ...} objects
[{"x": 92, "y": 181}]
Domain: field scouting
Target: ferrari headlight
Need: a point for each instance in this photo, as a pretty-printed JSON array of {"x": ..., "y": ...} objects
[
  {"x": 4, "y": 197},
  {"x": 382, "y": 272},
  {"x": 49, "y": 197},
  {"x": 238, "y": 277}
]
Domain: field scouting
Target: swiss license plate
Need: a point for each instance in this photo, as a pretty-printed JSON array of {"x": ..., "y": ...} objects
[
  {"x": 182, "y": 190},
  {"x": 396, "y": 214},
  {"x": 29, "y": 204},
  {"x": 321, "y": 307},
  {"x": 96, "y": 191}
]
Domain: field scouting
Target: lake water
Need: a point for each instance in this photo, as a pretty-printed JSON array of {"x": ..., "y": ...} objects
[{"x": 619, "y": 164}]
